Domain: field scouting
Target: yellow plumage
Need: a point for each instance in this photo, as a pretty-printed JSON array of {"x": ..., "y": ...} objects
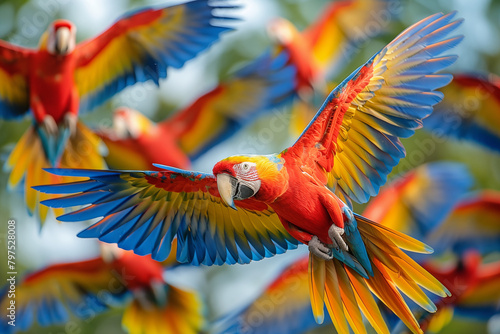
[
  {"x": 348, "y": 293},
  {"x": 83, "y": 150}
]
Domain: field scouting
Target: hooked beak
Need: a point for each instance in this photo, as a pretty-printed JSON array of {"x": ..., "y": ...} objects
[
  {"x": 226, "y": 184},
  {"x": 231, "y": 188},
  {"x": 63, "y": 37}
]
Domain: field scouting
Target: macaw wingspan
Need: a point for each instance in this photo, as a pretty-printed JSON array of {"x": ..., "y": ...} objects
[
  {"x": 182, "y": 313},
  {"x": 264, "y": 84},
  {"x": 49, "y": 296},
  {"x": 290, "y": 313},
  {"x": 14, "y": 94},
  {"x": 473, "y": 224},
  {"x": 342, "y": 25},
  {"x": 418, "y": 201},
  {"x": 142, "y": 45},
  {"x": 469, "y": 110},
  {"x": 145, "y": 210},
  {"x": 355, "y": 134},
  {"x": 28, "y": 158}
]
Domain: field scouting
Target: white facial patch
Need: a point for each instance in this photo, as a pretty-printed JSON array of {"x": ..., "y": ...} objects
[{"x": 246, "y": 171}]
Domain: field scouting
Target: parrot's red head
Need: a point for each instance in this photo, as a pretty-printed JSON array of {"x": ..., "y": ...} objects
[
  {"x": 61, "y": 38},
  {"x": 129, "y": 123},
  {"x": 243, "y": 177},
  {"x": 282, "y": 31}
]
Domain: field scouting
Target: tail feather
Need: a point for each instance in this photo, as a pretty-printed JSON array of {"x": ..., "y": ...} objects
[
  {"x": 316, "y": 287},
  {"x": 399, "y": 239},
  {"x": 367, "y": 304},
  {"x": 334, "y": 299},
  {"x": 351, "y": 309},
  {"x": 83, "y": 150},
  {"x": 20, "y": 157},
  {"x": 349, "y": 293},
  {"x": 411, "y": 289},
  {"x": 386, "y": 291}
]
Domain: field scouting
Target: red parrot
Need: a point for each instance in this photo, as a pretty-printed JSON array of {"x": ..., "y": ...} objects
[
  {"x": 327, "y": 45},
  {"x": 62, "y": 78},
  {"x": 284, "y": 305},
  {"x": 135, "y": 142},
  {"x": 253, "y": 207},
  {"x": 469, "y": 110},
  {"x": 332, "y": 38},
  {"x": 92, "y": 286}
]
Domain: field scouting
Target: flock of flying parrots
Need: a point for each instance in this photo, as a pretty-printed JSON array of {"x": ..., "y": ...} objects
[{"x": 424, "y": 251}]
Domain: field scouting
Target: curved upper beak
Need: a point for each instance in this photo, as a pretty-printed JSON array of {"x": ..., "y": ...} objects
[
  {"x": 227, "y": 185},
  {"x": 63, "y": 38},
  {"x": 231, "y": 188}
]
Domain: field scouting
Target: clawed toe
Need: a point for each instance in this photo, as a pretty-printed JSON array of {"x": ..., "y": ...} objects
[
  {"x": 319, "y": 249},
  {"x": 335, "y": 233}
]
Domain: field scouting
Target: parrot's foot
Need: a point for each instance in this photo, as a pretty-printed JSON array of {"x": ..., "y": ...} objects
[
  {"x": 50, "y": 126},
  {"x": 70, "y": 121},
  {"x": 320, "y": 249},
  {"x": 335, "y": 233}
]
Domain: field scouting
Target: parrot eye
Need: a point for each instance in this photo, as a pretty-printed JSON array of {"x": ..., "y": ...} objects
[{"x": 245, "y": 170}]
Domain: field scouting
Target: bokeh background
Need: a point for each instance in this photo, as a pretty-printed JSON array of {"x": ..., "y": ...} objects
[{"x": 225, "y": 288}]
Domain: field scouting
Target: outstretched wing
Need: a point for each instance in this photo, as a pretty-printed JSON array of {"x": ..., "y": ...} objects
[
  {"x": 470, "y": 110},
  {"x": 343, "y": 25},
  {"x": 264, "y": 84},
  {"x": 418, "y": 201},
  {"x": 142, "y": 45},
  {"x": 14, "y": 93},
  {"x": 473, "y": 224},
  {"x": 354, "y": 137},
  {"x": 49, "y": 296},
  {"x": 145, "y": 211}
]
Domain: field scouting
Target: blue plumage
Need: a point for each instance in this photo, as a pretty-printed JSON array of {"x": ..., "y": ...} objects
[
  {"x": 203, "y": 28},
  {"x": 116, "y": 197}
]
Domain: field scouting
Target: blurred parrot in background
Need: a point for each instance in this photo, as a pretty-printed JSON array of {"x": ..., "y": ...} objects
[
  {"x": 332, "y": 38},
  {"x": 253, "y": 207},
  {"x": 135, "y": 142},
  {"x": 62, "y": 78},
  {"x": 473, "y": 224},
  {"x": 118, "y": 279},
  {"x": 327, "y": 45},
  {"x": 421, "y": 199},
  {"x": 474, "y": 287},
  {"x": 469, "y": 111},
  {"x": 405, "y": 202}
]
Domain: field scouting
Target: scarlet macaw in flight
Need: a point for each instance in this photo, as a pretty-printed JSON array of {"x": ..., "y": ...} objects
[
  {"x": 253, "y": 207},
  {"x": 420, "y": 197},
  {"x": 86, "y": 288},
  {"x": 136, "y": 142},
  {"x": 62, "y": 78},
  {"x": 327, "y": 45},
  {"x": 333, "y": 36}
]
